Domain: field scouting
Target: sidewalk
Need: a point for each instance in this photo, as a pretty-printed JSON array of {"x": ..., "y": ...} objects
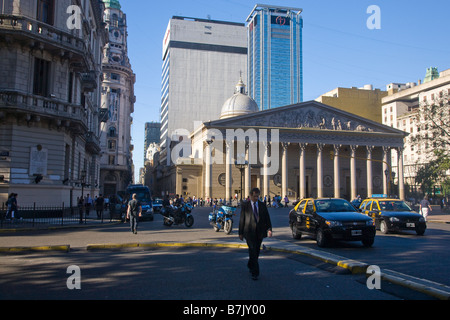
[{"x": 437, "y": 216}]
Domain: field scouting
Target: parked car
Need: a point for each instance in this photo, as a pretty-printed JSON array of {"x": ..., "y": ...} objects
[
  {"x": 393, "y": 215},
  {"x": 331, "y": 219},
  {"x": 157, "y": 205}
]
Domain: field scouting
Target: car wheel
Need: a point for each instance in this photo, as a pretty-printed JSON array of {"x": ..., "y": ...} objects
[
  {"x": 321, "y": 238},
  {"x": 383, "y": 227},
  {"x": 295, "y": 233},
  {"x": 420, "y": 231},
  {"x": 368, "y": 242}
]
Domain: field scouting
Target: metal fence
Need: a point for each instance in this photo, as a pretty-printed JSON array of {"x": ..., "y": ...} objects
[{"x": 42, "y": 216}]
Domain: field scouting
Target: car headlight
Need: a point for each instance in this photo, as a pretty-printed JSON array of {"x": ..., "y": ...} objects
[
  {"x": 370, "y": 223},
  {"x": 421, "y": 219},
  {"x": 332, "y": 224},
  {"x": 394, "y": 219}
]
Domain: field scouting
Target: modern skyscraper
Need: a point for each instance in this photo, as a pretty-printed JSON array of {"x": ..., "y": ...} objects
[
  {"x": 202, "y": 60},
  {"x": 117, "y": 103},
  {"x": 275, "y": 63},
  {"x": 152, "y": 135}
]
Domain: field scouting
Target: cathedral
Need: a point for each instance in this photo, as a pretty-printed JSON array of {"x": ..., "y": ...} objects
[{"x": 302, "y": 150}]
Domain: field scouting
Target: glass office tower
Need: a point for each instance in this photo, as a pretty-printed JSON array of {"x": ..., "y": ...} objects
[{"x": 275, "y": 62}]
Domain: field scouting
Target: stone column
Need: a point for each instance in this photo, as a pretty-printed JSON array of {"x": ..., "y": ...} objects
[
  {"x": 266, "y": 189},
  {"x": 385, "y": 169},
  {"x": 228, "y": 172},
  {"x": 302, "y": 171},
  {"x": 369, "y": 172},
  {"x": 401, "y": 174},
  {"x": 320, "y": 170},
  {"x": 208, "y": 170},
  {"x": 353, "y": 188},
  {"x": 337, "y": 174},
  {"x": 248, "y": 172},
  {"x": 284, "y": 169}
]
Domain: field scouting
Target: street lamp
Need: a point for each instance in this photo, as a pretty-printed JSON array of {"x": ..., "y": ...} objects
[
  {"x": 241, "y": 166},
  {"x": 83, "y": 183}
]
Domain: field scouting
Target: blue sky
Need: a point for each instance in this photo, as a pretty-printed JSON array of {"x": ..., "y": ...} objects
[{"x": 338, "y": 48}]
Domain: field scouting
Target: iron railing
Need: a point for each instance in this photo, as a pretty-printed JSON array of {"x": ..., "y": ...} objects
[{"x": 43, "y": 216}]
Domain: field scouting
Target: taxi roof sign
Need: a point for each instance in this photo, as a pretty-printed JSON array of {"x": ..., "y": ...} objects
[{"x": 379, "y": 196}]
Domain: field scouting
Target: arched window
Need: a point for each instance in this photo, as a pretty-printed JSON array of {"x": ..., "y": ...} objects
[{"x": 112, "y": 132}]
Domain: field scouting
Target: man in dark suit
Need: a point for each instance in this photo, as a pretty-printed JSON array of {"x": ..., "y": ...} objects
[{"x": 254, "y": 226}]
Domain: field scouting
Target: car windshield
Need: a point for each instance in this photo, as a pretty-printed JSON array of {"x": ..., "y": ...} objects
[
  {"x": 333, "y": 205},
  {"x": 394, "y": 205}
]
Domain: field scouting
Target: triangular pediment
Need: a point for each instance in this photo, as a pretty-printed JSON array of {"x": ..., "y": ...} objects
[{"x": 307, "y": 115}]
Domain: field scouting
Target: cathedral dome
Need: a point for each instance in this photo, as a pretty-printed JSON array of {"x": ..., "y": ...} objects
[
  {"x": 115, "y": 4},
  {"x": 239, "y": 104}
]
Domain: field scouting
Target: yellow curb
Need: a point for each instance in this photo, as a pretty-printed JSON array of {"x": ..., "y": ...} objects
[
  {"x": 165, "y": 244},
  {"x": 64, "y": 248}
]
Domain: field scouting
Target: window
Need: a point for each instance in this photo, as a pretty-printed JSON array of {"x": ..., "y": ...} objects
[
  {"x": 45, "y": 11},
  {"x": 112, "y": 145},
  {"x": 115, "y": 20},
  {"x": 41, "y": 85},
  {"x": 111, "y": 160},
  {"x": 112, "y": 132}
]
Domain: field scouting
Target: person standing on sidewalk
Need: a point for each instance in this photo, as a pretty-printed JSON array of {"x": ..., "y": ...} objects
[
  {"x": 134, "y": 212},
  {"x": 425, "y": 207},
  {"x": 254, "y": 226}
]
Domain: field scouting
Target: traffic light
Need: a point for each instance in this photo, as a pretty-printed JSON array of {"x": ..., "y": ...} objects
[{"x": 332, "y": 155}]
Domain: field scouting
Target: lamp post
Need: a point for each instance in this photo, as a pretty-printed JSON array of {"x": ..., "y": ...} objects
[
  {"x": 83, "y": 183},
  {"x": 241, "y": 166}
]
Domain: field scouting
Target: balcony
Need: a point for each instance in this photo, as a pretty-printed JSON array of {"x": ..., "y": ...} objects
[
  {"x": 53, "y": 109},
  {"x": 92, "y": 143},
  {"x": 89, "y": 81},
  {"x": 43, "y": 36}
]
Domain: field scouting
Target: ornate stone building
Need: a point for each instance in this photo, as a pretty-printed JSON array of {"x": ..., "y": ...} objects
[
  {"x": 50, "y": 68},
  {"x": 118, "y": 99},
  {"x": 300, "y": 150}
]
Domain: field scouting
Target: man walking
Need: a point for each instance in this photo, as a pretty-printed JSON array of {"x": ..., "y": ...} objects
[
  {"x": 425, "y": 207},
  {"x": 254, "y": 226},
  {"x": 134, "y": 212}
]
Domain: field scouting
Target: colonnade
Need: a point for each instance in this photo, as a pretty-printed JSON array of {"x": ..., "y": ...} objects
[{"x": 337, "y": 155}]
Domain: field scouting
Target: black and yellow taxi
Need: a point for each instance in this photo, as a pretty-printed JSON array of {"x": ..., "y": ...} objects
[
  {"x": 392, "y": 215},
  {"x": 331, "y": 219}
]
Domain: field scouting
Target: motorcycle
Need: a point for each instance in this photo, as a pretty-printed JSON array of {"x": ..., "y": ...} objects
[
  {"x": 178, "y": 215},
  {"x": 222, "y": 218}
]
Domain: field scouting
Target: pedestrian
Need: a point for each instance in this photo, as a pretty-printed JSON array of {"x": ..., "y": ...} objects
[
  {"x": 80, "y": 208},
  {"x": 11, "y": 206},
  {"x": 99, "y": 203},
  {"x": 286, "y": 201},
  {"x": 254, "y": 226},
  {"x": 87, "y": 204},
  {"x": 134, "y": 212},
  {"x": 425, "y": 207}
]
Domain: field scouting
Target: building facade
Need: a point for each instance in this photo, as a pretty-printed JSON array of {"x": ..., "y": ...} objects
[
  {"x": 50, "y": 68},
  {"x": 201, "y": 61},
  {"x": 365, "y": 101},
  {"x": 152, "y": 137},
  {"x": 301, "y": 150},
  {"x": 399, "y": 110},
  {"x": 118, "y": 99},
  {"x": 275, "y": 56}
]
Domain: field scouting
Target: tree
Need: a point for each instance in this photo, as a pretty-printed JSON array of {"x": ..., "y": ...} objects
[{"x": 433, "y": 142}]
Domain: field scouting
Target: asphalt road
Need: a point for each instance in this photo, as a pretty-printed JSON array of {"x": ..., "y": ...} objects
[{"x": 199, "y": 273}]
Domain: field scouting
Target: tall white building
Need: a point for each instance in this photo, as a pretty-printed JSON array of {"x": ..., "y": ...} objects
[
  {"x": 202, "y": 60},
  {"x": 399, "y": 110},
  {"x": 118, "y": 99}
]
